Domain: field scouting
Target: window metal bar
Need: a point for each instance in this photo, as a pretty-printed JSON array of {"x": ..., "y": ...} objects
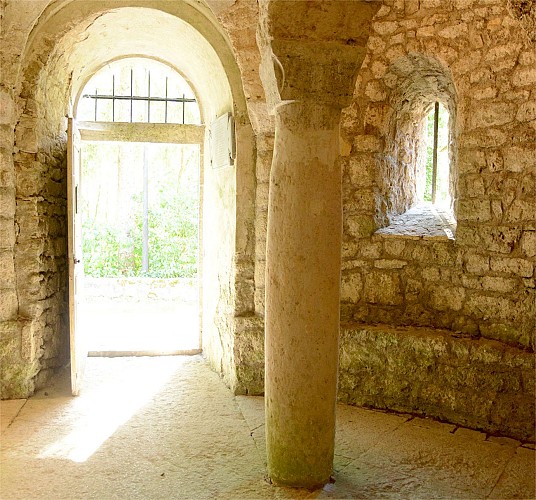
[
  {"x": 96, "y": 100},
  {"x": 113, "y": 100},
  {"x": 434, "y": 154},
  {"x": 131, "y": 91},
  {"x": 166, "y": 102},
  {"x": 149, "y": 97},
  {"x": 117, "y": 97},
  {"x": 139, "y": 98}
]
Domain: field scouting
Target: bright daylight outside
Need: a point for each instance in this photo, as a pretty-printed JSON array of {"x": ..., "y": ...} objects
[
  {"x": 139, "y": 204},
  {"x": 437, "y": 185}
]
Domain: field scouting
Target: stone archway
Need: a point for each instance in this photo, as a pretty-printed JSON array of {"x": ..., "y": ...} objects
[{"x": 69, "y": 42}]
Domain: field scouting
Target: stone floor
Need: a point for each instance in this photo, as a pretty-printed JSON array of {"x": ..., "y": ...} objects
[
  {"x": 167, "y": 427},
  {"x": 125, "y": 327}
]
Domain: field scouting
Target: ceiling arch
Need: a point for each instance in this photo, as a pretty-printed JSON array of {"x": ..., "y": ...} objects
[{"x": 73, "y": 39}]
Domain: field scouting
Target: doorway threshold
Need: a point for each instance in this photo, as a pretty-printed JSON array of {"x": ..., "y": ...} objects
[{"x": 119, "y": 354}]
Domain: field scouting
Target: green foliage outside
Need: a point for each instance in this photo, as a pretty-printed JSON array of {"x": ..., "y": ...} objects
[
  {"x": 112, "y": 244},
  {"x": 429, "y": 158},
  {"x": 173, "y": 245},
  {"x": 173, "y": 238},
  {"x": 442, "y": 180}
]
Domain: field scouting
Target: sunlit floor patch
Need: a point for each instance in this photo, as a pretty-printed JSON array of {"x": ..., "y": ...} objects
[
  {"x": 168, "y": 427},
  {"x": 108, "y": 406}
]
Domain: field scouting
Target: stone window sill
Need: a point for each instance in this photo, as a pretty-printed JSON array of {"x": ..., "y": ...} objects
[{"x": 421, "y": 222}]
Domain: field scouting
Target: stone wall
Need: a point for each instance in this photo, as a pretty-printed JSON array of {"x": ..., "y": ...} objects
[
  {"x": 15, "y": 370},
  {"x": 482, "y": 384},
  {"x": 34, "y": 272},
  {"x": 32, "y": 212},
  {"x": 265, "y": 146},
  {"x": 39, "y": 253},
  {"x": 476, "y": 58},
  {"x": 473, "y": 283},
  {"x": 40, "y": 257}
]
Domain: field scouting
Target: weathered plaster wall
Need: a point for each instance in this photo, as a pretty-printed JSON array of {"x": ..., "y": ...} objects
[
  {"x": 240, "y": 19},
  {"x": 219, "y": 230}
]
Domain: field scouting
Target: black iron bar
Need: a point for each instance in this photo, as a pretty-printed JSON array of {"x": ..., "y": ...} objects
[
  {"x": 165, "y": 112},
  {"x": 96, "y": 100},
  {"x": 139, "y": 98},
  {"x": 113, "y": 100},
  {"x": 434, "y": 152},
  {"x": 131, "y": 91},
  {"x": 183, "y": 106},
  {"x": 149, "y": 96}
]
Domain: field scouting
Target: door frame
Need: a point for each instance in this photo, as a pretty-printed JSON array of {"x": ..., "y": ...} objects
[{"x": 120, "y": 132}]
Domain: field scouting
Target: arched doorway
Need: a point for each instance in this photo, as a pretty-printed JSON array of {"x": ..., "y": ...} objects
[
  {"x": 75, "y": 41},
  {"x": 138, "y": 201}
]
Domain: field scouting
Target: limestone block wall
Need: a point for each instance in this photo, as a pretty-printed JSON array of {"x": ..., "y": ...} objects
[
  {"x": 40, "y": 257},
  {"x": 33, "y": 278},
  {"x": 265, "y": 146},
  {"x": 34, "y": 274},
  {"x": 16, "y": 367},
  {"x": 481, "y": 384},
  {"x": 39, "y": 251},
  {"x": 476, "y": 58}
]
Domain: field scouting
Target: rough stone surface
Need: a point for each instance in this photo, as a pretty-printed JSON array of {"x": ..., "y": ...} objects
[
  {"x": 481, "y": 384},
  {"x": 167, "y": 428},
  {"x": 478, "y": 278},
  {"x": 474, "y": 382},
  {"x": 307, "y": 84},
  {"x": 485, "y": 68},
  {"x": 302, "y": 280},
  {"x": 41, "y": 75}
]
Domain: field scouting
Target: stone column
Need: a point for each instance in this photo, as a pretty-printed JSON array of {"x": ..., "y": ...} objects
[
  {"x": 302, "y": 294},
  {"x": 310, "y": 52}
]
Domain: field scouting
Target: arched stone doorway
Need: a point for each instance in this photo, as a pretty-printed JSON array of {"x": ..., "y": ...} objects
[{"x": 69, "y": 43}]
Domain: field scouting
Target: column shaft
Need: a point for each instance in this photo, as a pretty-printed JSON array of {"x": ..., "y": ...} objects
[{"x": 302, "y": 294}]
